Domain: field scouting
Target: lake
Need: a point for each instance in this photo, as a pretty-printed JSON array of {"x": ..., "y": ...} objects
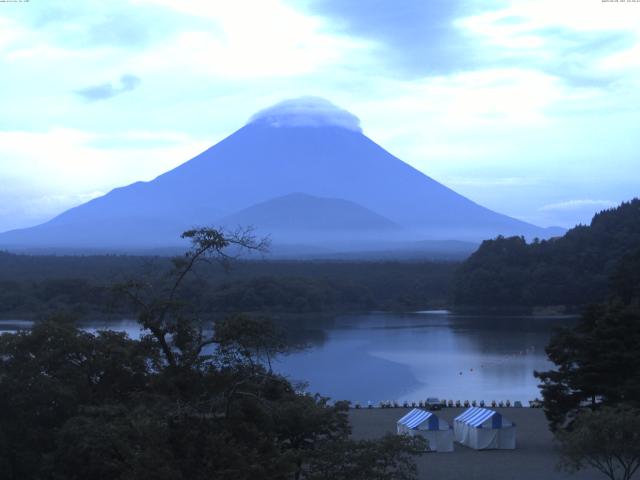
[{"x": 411, "y": 356}]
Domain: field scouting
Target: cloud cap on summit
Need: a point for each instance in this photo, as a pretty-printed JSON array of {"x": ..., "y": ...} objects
[{"x": 306, "y": 111}]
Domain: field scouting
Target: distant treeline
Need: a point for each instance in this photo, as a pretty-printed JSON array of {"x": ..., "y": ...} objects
[
  {"x": 34, "y": 286},
  {"x": 572, "y": 270}
]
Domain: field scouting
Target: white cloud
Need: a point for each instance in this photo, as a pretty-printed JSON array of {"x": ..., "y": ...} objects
[
  {"x": 18, "y": 43},
  {"x": 40, "y": 51},
  {"x": 19, "y": 209},
  {"x": 529, "y": 18},
  {"x": 492, "y": 96},
  {"x": 492, "y": 181},
  {"x": 569, "y": 205},
  {"x": 207, "y": 66},
  {"x": 67, "y": 157},
  {"x": 627, "y": 60},
  {"x": 247, "y": 39},
  {"x": 306, "y": 111},
  {"x": 43, "y": 173},
  {"x": 569, "y": 213},
  {"x": 55, "y": 202},
  {"x": 576, "y": 38},
  {"x": 11, "y": 34}
]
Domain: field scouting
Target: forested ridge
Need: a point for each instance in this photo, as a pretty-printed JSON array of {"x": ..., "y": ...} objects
[
  {"x": 34, "y": 286},
  {"x": 572, "y": 270}
]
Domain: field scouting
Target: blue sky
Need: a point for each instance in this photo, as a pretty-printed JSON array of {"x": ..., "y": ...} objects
[{"x": 528, "y": 107}]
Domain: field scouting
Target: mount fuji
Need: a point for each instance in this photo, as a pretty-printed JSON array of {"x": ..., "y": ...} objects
[{"x": 302, "y": 172}]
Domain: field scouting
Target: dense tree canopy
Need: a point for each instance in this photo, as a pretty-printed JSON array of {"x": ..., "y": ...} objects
[
  {"x": 39, "y": 286},
  {"x": 598, "y": 360},
  {"x": 570, "y": 270},
  {"x": 607, "y": 440},
  {"x": 186, "y": 401}
]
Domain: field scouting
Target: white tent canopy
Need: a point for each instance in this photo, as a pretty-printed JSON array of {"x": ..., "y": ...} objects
[
  {"x": 435, "y": 430},
  {"x": 481, "y": 428}
]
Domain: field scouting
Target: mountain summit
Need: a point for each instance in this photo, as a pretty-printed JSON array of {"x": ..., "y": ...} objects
[
  {"x": 306, "y": 112},
  {"x": 357, "y": 192}
]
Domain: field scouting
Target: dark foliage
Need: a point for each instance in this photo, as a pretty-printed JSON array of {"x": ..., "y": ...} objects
[
  {"x": 598, "y": 361},
  {"x": 607, "y": 440},
  {"x": 571, "y": 270},
  {"x": 38, "y": 286},
  {"x": 75, "y": 405},
  {"x": 390, "y": 458},
  {"x": 184, "y": 402}
]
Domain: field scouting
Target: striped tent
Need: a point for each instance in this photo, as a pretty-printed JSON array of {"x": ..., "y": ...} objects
[
  {"x": 481, "y": 428},
  {"x": 435, "y": 430}
]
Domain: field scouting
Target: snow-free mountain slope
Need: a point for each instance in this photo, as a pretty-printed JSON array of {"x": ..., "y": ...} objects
[
  {"x": 306, "y": 146},
  {"x": 299, "y": 213}
]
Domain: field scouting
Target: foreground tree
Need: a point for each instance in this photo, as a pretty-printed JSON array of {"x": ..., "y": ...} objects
[
  {"x": 607, "y": 439},
  {"x": 162, "y": 309},
  {"x": 49, "y": 375},
  {"x": 592, "y": 398},
  {"x": 390, "y": 458},
  {"x": 186, "y": 401},
  {"x": 598, "y": 360},
  {"x": 598, "y": 363}
]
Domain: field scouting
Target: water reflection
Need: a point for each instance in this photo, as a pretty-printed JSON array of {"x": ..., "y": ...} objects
[
  {"x": 12, "y": 326},
  {"x": 412, "y": 356},
  {"x": 389, "y": 356}
]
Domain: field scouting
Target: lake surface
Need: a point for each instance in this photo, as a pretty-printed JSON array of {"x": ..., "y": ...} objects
[
  {"x": 411, "y": 356},
  {"x": 369, "y": 358}
]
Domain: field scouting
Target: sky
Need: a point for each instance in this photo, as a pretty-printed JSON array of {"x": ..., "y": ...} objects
[{"x": 528, "y": 107}]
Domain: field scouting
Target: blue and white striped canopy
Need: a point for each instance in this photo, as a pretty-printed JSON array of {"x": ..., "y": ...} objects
[
  {"x": 476, "y": 416},
  {"x": 417, "y": 417}
]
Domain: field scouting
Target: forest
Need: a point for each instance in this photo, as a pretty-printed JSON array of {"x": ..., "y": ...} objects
[
  {"x": 573, "y": 270},
  {"x": 592, "y": 395},
  {"x": 570, "y": 271},
  {"x": 76, "y": 405},
  {"x": 99, "y": 405},
  {"x": 35, "y": 286}
]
